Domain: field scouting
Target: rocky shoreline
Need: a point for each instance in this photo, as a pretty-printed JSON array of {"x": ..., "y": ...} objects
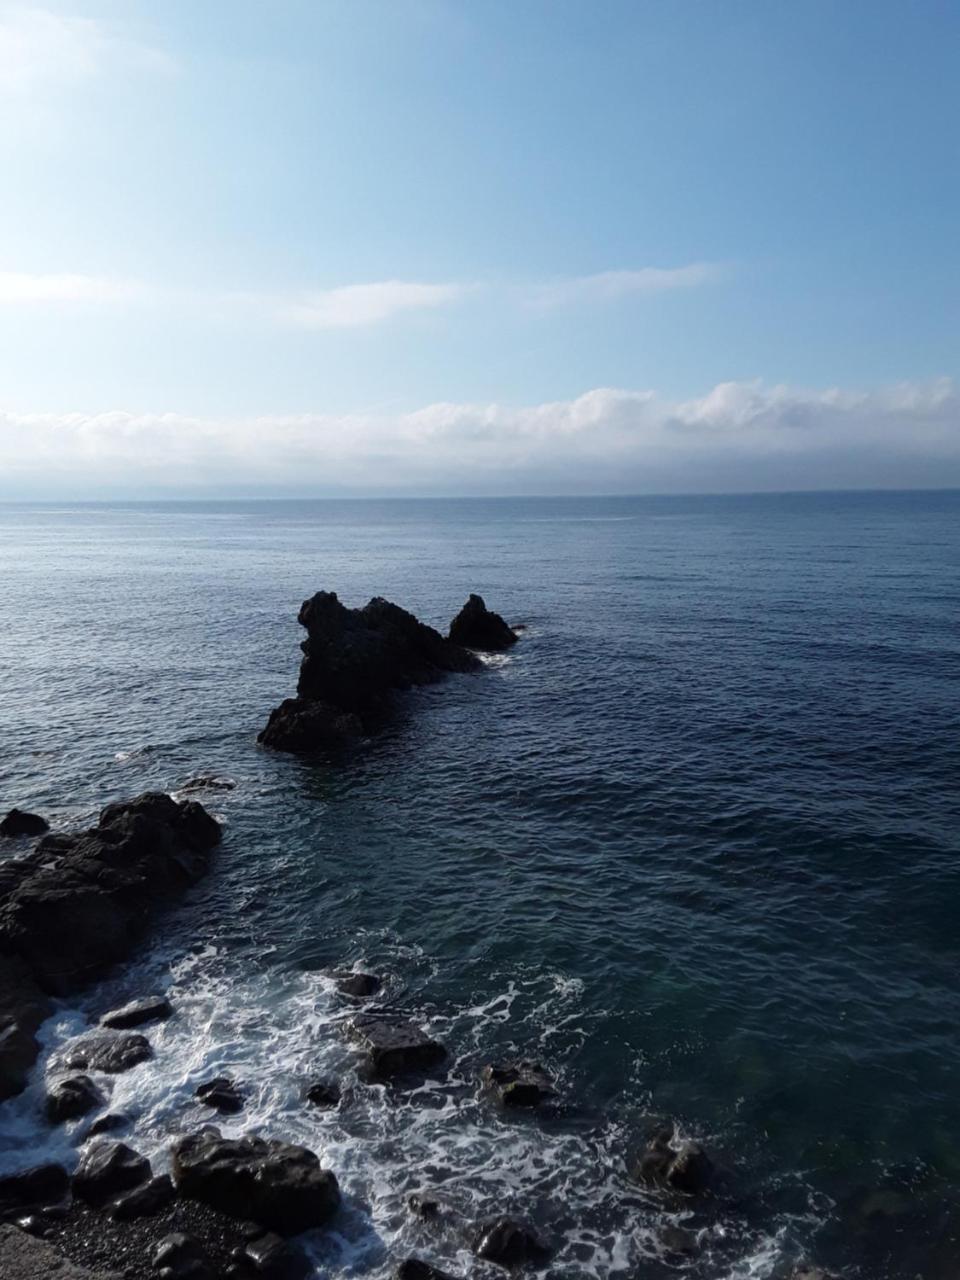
[{"x": 78, "y": 904}]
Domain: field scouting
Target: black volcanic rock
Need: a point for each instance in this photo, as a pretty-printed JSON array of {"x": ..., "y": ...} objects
[
  {"x": 221, "y": 1094},
  {"x": 277, "y": 1184},
  {"x": 71, "y": 1097},
  {"x": 510, "y": 1243},
  {"x": 19, "y": 823},
  {"x": 137, "y": 1012},
  {"x": 109, "y": 1051},
  {"x": 396, "y": 1046},
  {"x": 107, "y": 1169},
  {"x": 677, "y": 1163},
  {"x": 477, "y": 627},
  {"x": 44, "y": 1184},
  {"x": 354, "y": 661},
  {"x": 519, "y": 1083},
  {"x": 358, "y": 986},
  {"x": 78, "y": 903}
]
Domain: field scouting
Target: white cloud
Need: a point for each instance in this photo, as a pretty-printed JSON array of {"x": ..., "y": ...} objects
[
  {"x": 21, "y": 287},
  {"x": 354, "y": 305},
  {"x": 739, "y": 436},
  {"x": 42, "y": 49},
  {"x": 607, "y": 286}
]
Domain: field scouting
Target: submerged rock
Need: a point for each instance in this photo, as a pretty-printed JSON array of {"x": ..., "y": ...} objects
[
  {"x": 107, "y": 1169},
  {"x": 209, "y": 782},
  {"x": 678, "y": 1163},
  {"x": 510, "y": 1243},
  {"x": 358, "y": 985},
  {"x": 278, "y": 1184},
  {"x": 323, "y": 1093},
  {"x": 138, "y": 1012},
  {"x": 20, "y": 823},
  {"x": 477, "y": 627},
  {"x": 396, "y": 1046},
  {"x": 109, "y": 1051},
  {"x": 354, "y": 661},
  {"x": 72, "y": 1097},
  {"x": 221, "y": 1094},
  {"x": 109, "y": 1123},
  {"x": 518, "y": 1084}
]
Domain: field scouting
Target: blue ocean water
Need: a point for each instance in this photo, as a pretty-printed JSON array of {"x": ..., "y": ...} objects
[{"x": 693, "y": 843}]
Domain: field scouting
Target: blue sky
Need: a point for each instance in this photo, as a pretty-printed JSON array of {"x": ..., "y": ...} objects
[{"x": 437, "y": 246}]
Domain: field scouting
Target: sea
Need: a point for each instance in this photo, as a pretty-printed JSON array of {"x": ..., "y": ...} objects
[{"x": 693, "y": 844}]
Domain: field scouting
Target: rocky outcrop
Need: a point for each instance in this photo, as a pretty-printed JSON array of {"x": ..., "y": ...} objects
[
  {"x": 518, "y": 1083},
  {"x": 145, "y": 1200},
  {"x": 354, "y": 661},
  {"x": 137, "y": 1013},
  {"x": 358, "y": 986},
  {"x": 108, "y": 1169},
  {"x": 277, "y": 1184},
  {"x": 222, "y": 1095},
  {"x": 510, "y": 1243},
  {"x": 323, "y": 1093},
  {"x": 18, "y": 823},
  {"x": 72, "y": 1097},
  {"x": 676, "y": 1163},
  {"x": 395, "y": 1046},
  {"x": 417, "y": 1269},
  {"x": 477, "y": 627},
  {"x": 109, "y": 1051},
  {"x": 78, "y": 903}
]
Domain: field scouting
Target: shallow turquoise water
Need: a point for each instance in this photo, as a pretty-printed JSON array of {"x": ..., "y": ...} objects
[{"x": 693, "y": 842}]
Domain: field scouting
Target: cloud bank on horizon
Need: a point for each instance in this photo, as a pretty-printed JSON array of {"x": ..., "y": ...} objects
[{"x": 737, "y": 437}]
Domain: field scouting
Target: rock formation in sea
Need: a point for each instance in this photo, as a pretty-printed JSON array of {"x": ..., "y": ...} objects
[
  {"x": 78, "y": 903},
  {"x": 477, "y": 627},
  {"x": 354, "y": 661},
  {"x": 18, "y": 823}
]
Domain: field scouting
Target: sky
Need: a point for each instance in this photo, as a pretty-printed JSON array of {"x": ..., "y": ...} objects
[{"x": 313, "y": 247}]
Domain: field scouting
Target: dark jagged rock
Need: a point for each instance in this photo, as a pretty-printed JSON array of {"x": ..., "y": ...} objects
[
  {"x": 80, "y": 901},
  {"x": 23, "y": 1007},
  {"x": 396, "y": 1046},
  {"x": 72, "y": 1097},
  {"x": 510, "y": 1243},
  {"x": 518, "y": 1084},
  {"x": 109, "y": 1123},
  {"x": 425, "y": 1206},
  {"x": 324, "y": 1093},
  {"x": 277, "y": 1184},
  {"x": 108, "y": 1169},
  {"x": 144, "y": 1201},
  {"x": 477, "y": 627},
  {"x": 109, "y": 1051},
  {"x": 417, "y": 1269},
  {"x": 270, "y": 1257},
  {"x": 354, "y": 661},
  {"x": 677, "y": 1163},
  {"x": 42, "y": 1185},
  {"x": 209, "y": 782},
  {"x": 137, "y": 1013},
  {"x": 19, "y": 823},
  {"x": 180, "y": 1257},
  {"x": 358, "y": 985},
  {"x": 221, "y": 1094}
]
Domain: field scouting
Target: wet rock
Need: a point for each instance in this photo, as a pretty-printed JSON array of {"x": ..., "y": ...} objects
[
  {"x": 477, "y": 627},
  {"x": 137, "y": 1013},
  {"x": 72, "y": 1097},
  {"x": 41, "y": 1185},
  {"x": 221, "y": 1094},
  {"x": 274, "y": 1258},
  {"x": 111, "y": 1052},
  {"x": 182, "y": 1257},
  {"x": 417, "y": 1269},
  {"x": 19, "y": 823},
  {"x": 324, "y": 1093},
  {"x": 358, "y": 985},
  {"x": 396, "y": 1046},
  {"x": 677, "y": 1163},
  {"x": 425, "y": 1206},
  {"x": 278, "y": 1184},
  {"x": 144, "y": 1201},
  {"x": 107, "y": 1169},
  {"x": 518, "y": 1084},
  {"x": 109, "y": 1123},
  {"x": 208, "y": 782},
  {"x": 510, "y": 1243},
  {"x": 23, "y": 1007},
  {"x": 34, "y": 1224},
  {"x": 354, "y": 661},
  {"x": 78, "y": 902}
]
